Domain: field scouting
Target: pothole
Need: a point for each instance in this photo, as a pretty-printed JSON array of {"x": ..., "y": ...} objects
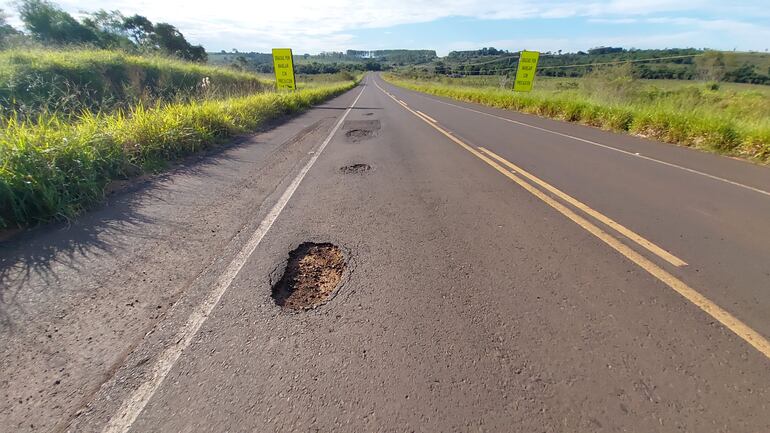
[
  {"x": 311, "y": 277},
  {"x": 355, "y": 168},
  {"x": 358, "y": 134},
  {"x": 357, "y": 130}
]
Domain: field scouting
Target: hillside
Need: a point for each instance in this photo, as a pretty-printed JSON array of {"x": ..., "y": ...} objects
[{"x": 71, "y": 81}]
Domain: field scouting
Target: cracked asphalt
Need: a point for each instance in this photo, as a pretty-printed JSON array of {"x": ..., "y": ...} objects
[{"x": 468, "y": 303}]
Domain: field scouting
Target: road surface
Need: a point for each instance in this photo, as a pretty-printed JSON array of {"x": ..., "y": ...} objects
[{"x": 503, "y": 273}]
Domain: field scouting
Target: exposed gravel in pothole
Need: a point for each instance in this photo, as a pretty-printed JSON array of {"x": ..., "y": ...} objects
[
  {"x": 358, "y": 130},
  {"x": 311, "y": 277},
  {"x": 355, "y": 168},
  {"x": 358, "y": 134}
]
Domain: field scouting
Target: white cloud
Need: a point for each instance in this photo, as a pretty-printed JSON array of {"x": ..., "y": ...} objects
[{"x": 313, "y": 25}]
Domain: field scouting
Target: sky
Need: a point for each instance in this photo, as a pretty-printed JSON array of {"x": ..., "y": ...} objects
[{"x": 312, "y": 26}]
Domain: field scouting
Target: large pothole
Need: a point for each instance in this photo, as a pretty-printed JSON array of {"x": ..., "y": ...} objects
[
  {"x": 358, "y": 130},
  {"x": 358, "y": 134},
  {"x": 312, "y": 274},
  {"x": 355, "y": 168}
]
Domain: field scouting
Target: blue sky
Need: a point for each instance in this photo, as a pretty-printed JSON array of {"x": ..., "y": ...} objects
[{"x": 446, "y": 25}]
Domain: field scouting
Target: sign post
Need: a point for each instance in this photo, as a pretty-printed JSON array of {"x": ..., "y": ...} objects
[
  {"x": 283, "y": 64},
  {"x": 525, "y": 73}
]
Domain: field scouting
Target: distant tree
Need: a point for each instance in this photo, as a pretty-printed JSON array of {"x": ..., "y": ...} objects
[
  {"x": 109, "y": 29},
  {"x": 162, "y": 37},
  {"x": 373, "y": 66},
  {"x": 171, "y": 41},
  {"x": 6, "y": 30},
  {"x": 139, "y": 29},
  {"x": 747, "y": 73},
  {"x": 605, "y": 50},
  {"x": 711, "y": 66},
  {"x": 48, "y": 23}
]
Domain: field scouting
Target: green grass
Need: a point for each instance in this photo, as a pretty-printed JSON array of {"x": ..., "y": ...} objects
[
  {"x": 727, "y": 119},
  {"x": 68, "y": 82},
  {"x": 53, "y": 168}
]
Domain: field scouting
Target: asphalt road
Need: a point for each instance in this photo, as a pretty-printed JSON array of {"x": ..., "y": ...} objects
[{"x": 504, "y": 273}]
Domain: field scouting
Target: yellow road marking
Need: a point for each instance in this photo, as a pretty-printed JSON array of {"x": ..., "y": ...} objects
[
  {"x": 604, "y": 146},
  {"x": 651, "y": 247},
  {"x": 732, "y": 323},
  {"x": 427, "y": 117}
]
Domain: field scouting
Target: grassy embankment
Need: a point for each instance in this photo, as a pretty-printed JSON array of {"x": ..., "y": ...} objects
[
  {"x": 55, "y": 164},
  {"x": 68, "y": 82},
  {"x": 732, "y": 119}
]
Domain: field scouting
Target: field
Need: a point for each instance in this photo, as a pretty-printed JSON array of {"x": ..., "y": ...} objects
[
  {"x": 60, "y": 147},
  {"x": 727, "y": 118}
]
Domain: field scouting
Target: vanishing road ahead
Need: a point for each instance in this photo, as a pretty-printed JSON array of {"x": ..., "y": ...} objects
[{"x": 504, "y": 272}]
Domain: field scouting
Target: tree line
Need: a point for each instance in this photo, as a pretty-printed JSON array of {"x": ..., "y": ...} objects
[
  {"x": 48, "y": 24},
  {"x": 687, "y": 64}
]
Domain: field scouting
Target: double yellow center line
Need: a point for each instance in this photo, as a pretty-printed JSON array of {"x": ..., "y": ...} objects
[{"x": 512, "y": 171}]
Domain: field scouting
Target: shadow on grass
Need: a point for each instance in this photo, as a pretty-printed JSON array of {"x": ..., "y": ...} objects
[
  {"x": 32, "y": 260},
  {"x": 37, "y": 253}
]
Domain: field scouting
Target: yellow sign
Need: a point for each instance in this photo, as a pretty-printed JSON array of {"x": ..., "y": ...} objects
[
  {"x": 283, "y": 63},
  {"x": 525, "y": 74}
]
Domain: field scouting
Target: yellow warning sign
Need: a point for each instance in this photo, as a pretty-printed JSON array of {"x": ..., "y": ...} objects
[
  {"x": 525, "y": 74},
  {"x": 283, "y": 63}
]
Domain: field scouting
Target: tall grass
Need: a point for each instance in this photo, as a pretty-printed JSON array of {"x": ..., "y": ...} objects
[
  {"x": 52, "y": 167},
  {"x": 68, "y": 82},
  {"x": 734, "y": 122}
]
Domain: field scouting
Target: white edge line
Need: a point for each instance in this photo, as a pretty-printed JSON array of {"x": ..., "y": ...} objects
[
  {"x": 636, "y": 155},
  {"x": 122, "y": 421}
]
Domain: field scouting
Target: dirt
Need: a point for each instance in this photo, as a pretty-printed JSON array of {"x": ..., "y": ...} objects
[
  {"x": 355, "y": 168},
  {"x": 312, "y": 274}
]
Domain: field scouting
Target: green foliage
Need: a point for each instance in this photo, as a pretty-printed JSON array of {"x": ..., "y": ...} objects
[
  {"x": 711, "y": 66},
  {"x": 470, "y": 54},
  {"x": 733, "y": 121},
  {"x": 171, "y": 41},
  {"x": 51, "y": 25},
  {"x": 673, "y": 63},
  {"x": 50, "y": 168},
  {"x": 34, "y": 82},
  {"x": 6, "y": 30}
]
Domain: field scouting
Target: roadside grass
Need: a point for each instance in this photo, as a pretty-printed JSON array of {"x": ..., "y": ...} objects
[
  {"x": 54, "y": 168},
  {"x": 731, "y": 120},
  {"x": 68, "y": 82}
]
